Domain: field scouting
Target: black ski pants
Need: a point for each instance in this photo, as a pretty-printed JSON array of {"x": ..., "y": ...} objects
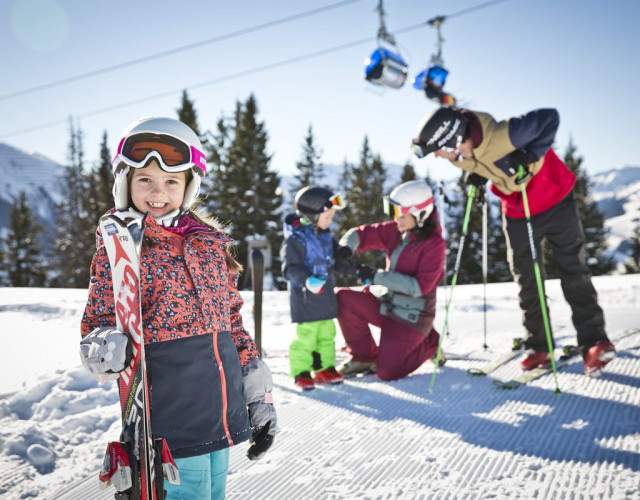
[{"x": 562, "y": 228}]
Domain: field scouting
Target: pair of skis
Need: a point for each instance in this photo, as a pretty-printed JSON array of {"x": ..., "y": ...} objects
[
  {"x": 138, "y": 464},
  {"x": 569, "y": 353}
]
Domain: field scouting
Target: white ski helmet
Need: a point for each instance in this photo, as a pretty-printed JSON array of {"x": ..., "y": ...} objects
[
  {"x": 412, "y": 197},
  {"x": 173, "y": 144}
]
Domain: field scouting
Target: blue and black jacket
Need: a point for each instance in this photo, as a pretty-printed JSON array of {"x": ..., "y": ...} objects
[{"x": 308, "y": 251}]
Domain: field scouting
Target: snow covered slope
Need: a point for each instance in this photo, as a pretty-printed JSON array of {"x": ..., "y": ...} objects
[
  {"x": 34, "y": 174},
  {"x": 618, "y": 195},
  {"x": 364, "y": 439}
]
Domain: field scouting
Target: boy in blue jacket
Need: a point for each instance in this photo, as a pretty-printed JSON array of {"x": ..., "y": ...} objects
[{"x": 307, "y": 264}]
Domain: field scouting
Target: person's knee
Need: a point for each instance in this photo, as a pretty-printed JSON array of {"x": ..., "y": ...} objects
[{"x": 390, "y": 371}]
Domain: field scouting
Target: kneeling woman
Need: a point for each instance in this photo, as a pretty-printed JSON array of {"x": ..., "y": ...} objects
[{"x": 415, "y": 261}]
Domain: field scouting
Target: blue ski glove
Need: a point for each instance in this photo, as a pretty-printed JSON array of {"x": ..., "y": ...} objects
[
  {"x": 365, "y": 274},
  {"x": 105, "y": 352},
  {"x": 257, "y": 387},
  {"x": 315, "y": 284}
]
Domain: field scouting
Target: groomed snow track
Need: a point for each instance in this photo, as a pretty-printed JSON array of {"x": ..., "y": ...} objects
[{"x": 465, "y": 440}]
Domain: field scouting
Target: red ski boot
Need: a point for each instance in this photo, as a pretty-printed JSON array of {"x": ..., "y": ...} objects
[
  {"x": 328, "y": 376},
  {"x": 597, "y": 356},
  {"x": 304, "y": 381},
  {"x": 533, "y": 359}
]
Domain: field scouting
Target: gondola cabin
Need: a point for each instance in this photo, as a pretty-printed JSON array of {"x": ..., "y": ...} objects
[{"x": 386, "y": 67}]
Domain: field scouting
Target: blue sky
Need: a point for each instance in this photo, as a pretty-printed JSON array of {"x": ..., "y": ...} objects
[{"x": 579, "y": 56}]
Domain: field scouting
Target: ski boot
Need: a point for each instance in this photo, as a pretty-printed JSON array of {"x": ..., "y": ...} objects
[
  {"x": 328, "y": 376},
  {"x": 597, "y": 356}
]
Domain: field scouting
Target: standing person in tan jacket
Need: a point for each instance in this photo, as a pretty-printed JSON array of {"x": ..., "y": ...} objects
[{"x": 512, "y": 153}]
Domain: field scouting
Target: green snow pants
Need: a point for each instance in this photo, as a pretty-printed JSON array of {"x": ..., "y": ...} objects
[{"x": 314, "y": 348}]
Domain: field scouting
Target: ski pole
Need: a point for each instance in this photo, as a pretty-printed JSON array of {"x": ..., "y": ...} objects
[
  {"x": 454, "y": 279},
  {"x": 536, "y": 268},
  {"x": 442, "y": 199},
  {"x": 484, "y": 265}
]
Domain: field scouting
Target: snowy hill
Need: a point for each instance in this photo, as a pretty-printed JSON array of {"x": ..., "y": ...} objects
[
  {"x": 618, "y": 195},
  {"x": 34, "y": 174},
  {"x": 366, "y": 438}
]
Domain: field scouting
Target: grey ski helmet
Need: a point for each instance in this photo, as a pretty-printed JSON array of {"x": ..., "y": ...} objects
[
  {"x": 412, "y": 197},
  {"x": 445, "y": 127},
  {"x": 173, "y": 144},
  {"x": 312, "y": 201}
]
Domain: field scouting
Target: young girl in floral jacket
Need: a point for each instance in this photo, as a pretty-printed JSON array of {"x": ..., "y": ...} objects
[{"x": 208, "y": 387}]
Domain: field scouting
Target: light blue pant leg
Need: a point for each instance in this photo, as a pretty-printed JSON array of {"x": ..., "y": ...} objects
[
  {"x": 203, "y": 477},
  {"x": 219, "y": 471}
]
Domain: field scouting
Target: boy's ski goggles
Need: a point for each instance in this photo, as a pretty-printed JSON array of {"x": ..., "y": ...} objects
[
  {"x": 392, "y": 209},
  {"x": 336, "y": 201},
  {"x": 173, "y": 154}
]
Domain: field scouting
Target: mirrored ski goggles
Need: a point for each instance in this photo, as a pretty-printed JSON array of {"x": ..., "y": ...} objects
[
  {"x": 421, "y": 149},
  {"x": 173, "y": 154},
  {"x": 392, "y": 209},
  {"x": 336, "y": 201}
]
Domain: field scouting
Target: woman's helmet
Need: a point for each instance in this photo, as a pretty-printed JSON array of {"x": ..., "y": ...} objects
[
  {"x": 312, "y": 201},
  {"x": 171, "y": 143},
  {"x": 444, "y": 128},
  {"x": 412, "y": 197}
]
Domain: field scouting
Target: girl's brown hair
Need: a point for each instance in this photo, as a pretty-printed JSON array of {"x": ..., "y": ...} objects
[{"x": 208, "y": 220}]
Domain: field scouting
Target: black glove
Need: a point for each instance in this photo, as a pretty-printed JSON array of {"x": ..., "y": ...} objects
[
  {"x": 256, "y": 388},
  {"x": 348, "y": 267},
  {"x": 511, "y": 164},
  {"x": 341, "y": 254},
  {"x": 261, "y": 440},
  {"x": 475, "y": 179},
  {"x": 365, "y": 274}
]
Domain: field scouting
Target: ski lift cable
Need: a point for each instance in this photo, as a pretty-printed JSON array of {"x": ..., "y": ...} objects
[
  {"x": 184, "y": 48},
  {"x": 228, "y": 77},
  {"x": 221, "y": 79}
]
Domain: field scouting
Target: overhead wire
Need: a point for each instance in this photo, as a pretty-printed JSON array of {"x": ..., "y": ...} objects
[
  {"x": 238, "y": 74},
  {"x": 177, "y": 50}
]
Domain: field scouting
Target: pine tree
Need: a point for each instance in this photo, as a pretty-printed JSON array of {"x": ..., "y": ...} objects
[
  {"x": 408, "y": 173},
  {"x": 632, "y": 265},
  {"x": 471, "y": 258},
  {"x": 217, "y": 147},
  {"x": 24, "y": 257},
  {"x": 366, "y": 182},
  {"x": 470, "y": 270},
  {"x": 592, "y": 221},
  {"x": 310, "y": 170},
  {"x": 4, "y": 262},
  {"x": 344, "y": 183},
  {"x": 247, "y": 194},
  {"x": 100, "y": 197},
  {"x": 75, "y": 227},
  {"x": 187, "y": 114}
]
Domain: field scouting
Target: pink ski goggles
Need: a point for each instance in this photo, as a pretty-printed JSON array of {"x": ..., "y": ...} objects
[{"x": 173, "y": 154}]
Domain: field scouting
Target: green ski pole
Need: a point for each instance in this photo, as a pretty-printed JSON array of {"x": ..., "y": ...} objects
[
  {"x": 536, "y": 267},
  {"x": 456, "y": 268}
]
